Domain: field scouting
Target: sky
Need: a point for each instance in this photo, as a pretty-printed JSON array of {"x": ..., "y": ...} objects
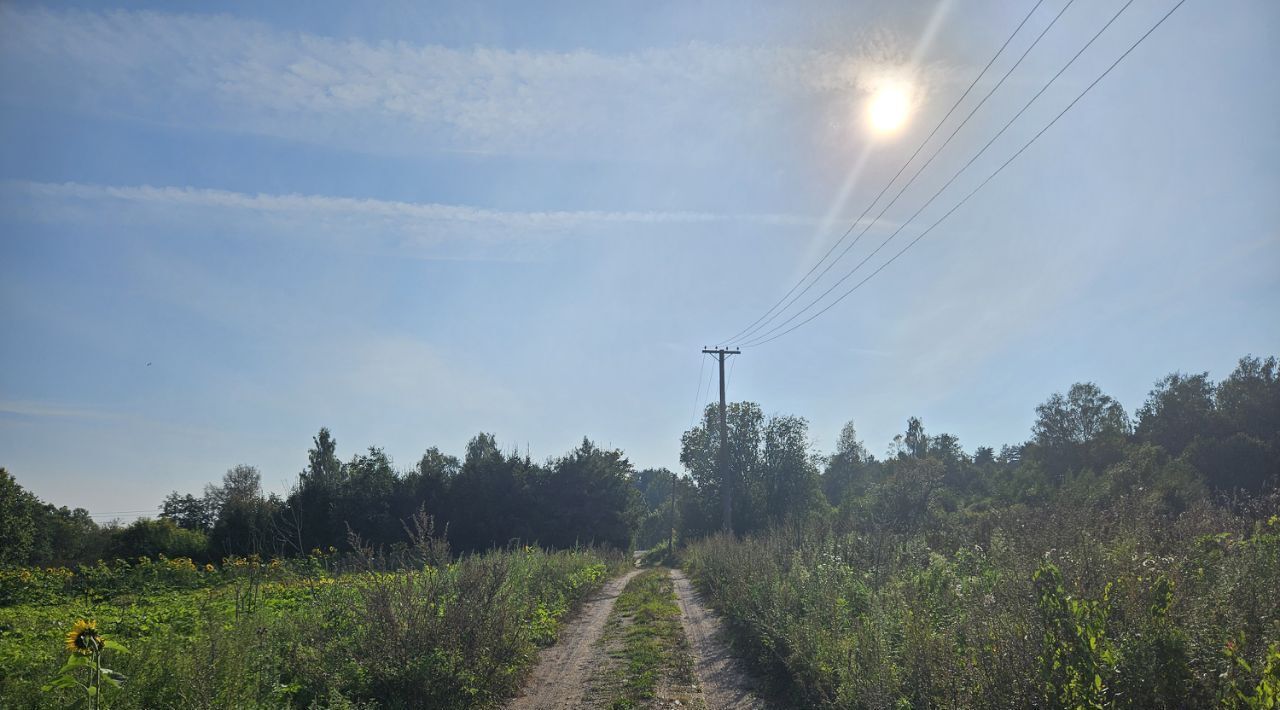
[{"x": 224, "y": 227}]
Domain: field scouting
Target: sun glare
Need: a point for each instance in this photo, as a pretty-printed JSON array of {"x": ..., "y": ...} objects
[{"x": 888, "y": 109}]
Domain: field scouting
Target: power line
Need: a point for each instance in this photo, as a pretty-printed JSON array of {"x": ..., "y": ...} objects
[
  {"x": 697, "y": 397},
  {"x": 710, "y": 396},
  {"x": 926, "y": 164},
  {"x": 974, "y": 191},
  {"x": 757, "y": 339},
  {"x": 120, "y": 513},
  {"x": 753, "y": 327}
]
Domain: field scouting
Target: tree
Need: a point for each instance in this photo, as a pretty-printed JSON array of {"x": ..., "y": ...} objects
[
  {"x": 984, "y": 457},
  {"x": 188, "y": 511},
  {"x": 654, "y": 486},
  {"x": 789, "y": 475},
  {"x": 1178, "y": 409},
  {"x": 1239, "y": 461},
  {"x": 307, "y": 521},
  {"x": 150, "y": 538},
  {"x": 426, "y": 486},
  {"x": 847, "y": 470},
  {"x": 699, "y": 451},
  {"x": 363, "y": 501},
  {"x": 916, "y": 441},
  {"x": 901, "y": 502},
  {"x": 586, "y": 497},
  {"x": 245, "y": 521},
  {"x": 1249, "y": 399},
  {"x": 489, "y": 498},
  {"x": 239, "y": 484},
  {"x": 1148, "y": 472},
  {"x": 71, "y": 536},
  {"x": 33, "y": 532},
  {"x": 17, "y": 524},
  {"x": 1085, "y": 429}
]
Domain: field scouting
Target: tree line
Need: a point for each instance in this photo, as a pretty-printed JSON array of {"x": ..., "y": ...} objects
[
  {"x": 488, "y": 498},
  {"x": 1192, "y": 438}
]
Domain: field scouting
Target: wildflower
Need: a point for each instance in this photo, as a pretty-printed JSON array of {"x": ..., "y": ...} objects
[
  {"x": 83, "y": 638},
  {"x": 208, "y": 567}
]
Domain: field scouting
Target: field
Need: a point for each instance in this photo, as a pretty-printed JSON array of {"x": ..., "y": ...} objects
[{"x": 316, "y": 631}]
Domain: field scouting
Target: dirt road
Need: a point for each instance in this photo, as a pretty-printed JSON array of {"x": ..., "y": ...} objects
[
  {"x": 725, "y": 686},
  {"x": 563, "y": 670}
]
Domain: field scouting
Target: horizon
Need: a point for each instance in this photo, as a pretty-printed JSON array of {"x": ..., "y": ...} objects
[{"x": 227, "y": 230}]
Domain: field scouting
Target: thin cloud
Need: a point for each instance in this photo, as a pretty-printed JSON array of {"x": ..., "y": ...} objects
[
  {"x": 223, "y": 72},
  {"x": 33, "y": 408},
  {"x": 417, "y": 223}
]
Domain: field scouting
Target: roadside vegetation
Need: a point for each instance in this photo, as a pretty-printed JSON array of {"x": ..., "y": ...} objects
[
  {"x": 323, "y": 631},
  {"x": 1107, "y": 562}
]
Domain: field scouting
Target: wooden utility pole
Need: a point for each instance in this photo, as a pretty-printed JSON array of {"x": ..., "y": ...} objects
[
  {"x": 726, "y": 485},
  {"x": 671, "y": 538}
]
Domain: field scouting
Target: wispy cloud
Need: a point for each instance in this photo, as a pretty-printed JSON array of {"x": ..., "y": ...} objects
[
  {"x": 411, "y": 225},
  {"x": 224, "y": 72},
  {"x": 33, "y": 408}
]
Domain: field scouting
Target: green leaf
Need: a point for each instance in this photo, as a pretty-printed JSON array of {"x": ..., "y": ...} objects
[
  {"x": 73, "y": 663},
  {"x": 114, "y": 645},
  {"x": 62, "y": 681}
]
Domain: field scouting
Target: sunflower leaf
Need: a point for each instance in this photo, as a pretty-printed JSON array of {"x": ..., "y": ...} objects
[
  {"x": 114, "y": 645},
  {"x": 62, "y": 681},
  {"x": 73, "y": 663},
  {"x": 113, "y": 678}
]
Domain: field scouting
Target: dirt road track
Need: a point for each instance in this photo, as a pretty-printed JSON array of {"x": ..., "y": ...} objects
[
  {"x": 724, "y": 685},
  {"x": 563, "y": 671}
]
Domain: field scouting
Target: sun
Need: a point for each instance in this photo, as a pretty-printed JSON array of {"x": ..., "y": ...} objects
[{"x": 889, "y": 109}]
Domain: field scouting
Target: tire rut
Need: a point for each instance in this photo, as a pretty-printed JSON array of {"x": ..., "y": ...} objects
[
  {"x": 561, "y": 676},
  {"x": 724, "y": 684}
]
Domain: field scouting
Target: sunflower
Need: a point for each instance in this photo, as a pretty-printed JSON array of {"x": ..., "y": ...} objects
[{"x": 83, "y": 638}]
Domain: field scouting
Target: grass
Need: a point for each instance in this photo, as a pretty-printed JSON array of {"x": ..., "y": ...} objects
[{"x": 646, "y": 636}]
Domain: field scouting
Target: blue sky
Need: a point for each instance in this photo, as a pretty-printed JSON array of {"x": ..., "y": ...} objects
[{"x": 412, "y": 222}]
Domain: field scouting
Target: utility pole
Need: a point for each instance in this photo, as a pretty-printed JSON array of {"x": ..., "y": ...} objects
[
  {"x": 671, "y": 538},
  {"x": 726, "y": 486}
]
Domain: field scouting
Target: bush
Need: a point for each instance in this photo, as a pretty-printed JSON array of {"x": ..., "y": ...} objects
[{"x": 1125, "y": 604}]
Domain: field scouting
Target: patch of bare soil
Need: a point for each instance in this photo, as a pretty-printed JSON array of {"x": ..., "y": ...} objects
[
  {"x": 564, "y": 670},
  {"x": 725, "y": 686}
]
